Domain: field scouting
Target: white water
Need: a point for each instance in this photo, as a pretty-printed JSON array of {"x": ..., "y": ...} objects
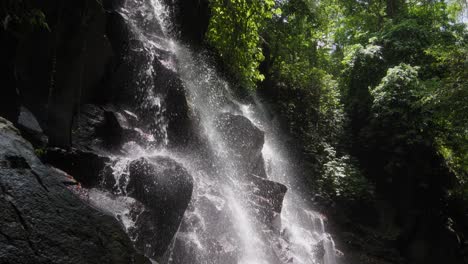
[
  {"x": 220, "y": 226},
  {"x": 305, "y": 227}
]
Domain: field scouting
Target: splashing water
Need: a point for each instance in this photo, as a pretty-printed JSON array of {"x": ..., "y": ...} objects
[{"x": 222, "y": 223}]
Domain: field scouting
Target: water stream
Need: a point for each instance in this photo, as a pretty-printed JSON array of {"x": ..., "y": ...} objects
[{"x": 223, "y": 223}]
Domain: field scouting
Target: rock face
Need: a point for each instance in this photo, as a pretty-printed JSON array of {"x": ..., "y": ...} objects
[
  {"x": 244, "y": 142},
  {"x": 165, "y": 188},
  {"x": 76, "y": 80},
  {"x": 85, "y": 166},
  {"x": 60, "y": 69},
  {"x": 267, "y": 198},
  {"x": 30, "y": 128},
  {"x": 96, "y": 130},
  {"x": 42, "y": 221},
  {"x": 160, "y": 184}
]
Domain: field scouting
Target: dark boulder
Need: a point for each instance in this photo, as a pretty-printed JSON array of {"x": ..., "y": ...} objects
[
  {"x": 59, "y": 69},
  {"x": 87, "y": 167},
  {"x": 244, "y": 142},
  {"x": 266, "y": 197},
  {"x": 95, "y": 128},
  {"x": 95, "y": 131},
  {"x": 30, "y": 128},
  {"x": 99, "y": 128},
  {"x": 164, "y": 187},
  {"x": 42, "y": 221},
  {"x": 168, "y": 84}
]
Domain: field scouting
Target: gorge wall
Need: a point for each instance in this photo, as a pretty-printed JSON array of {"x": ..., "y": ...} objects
[
  {"x": 152, "y": 148},
  {"x": 140, "y": 152}
]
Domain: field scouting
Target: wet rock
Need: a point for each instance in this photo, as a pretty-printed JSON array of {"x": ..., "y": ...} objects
[
  {"x": 30, "y": 128},
  {"x": 168, "y": 84},
  {"x": 165, "y": 188},
  {"x": 95, "y": 128},
  {"x": 100, "y": 128},
  {"x": 244, "y": 142},
  {"x": 86, "y": 166},
  {"x": 42, "y": 221},
  {"x": 267, "y": 198},
  {"x": 58, "y": 70}
]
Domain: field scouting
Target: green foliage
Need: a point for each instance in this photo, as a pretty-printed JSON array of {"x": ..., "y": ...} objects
[
  {"x": 343, "y": 179},
  {"x": 398, "y": 115},
  {"x": 234, "y": 31},
  {"x": 40, "y": 152},
  {"x": 388, "y": 74},
  {"x": 398, "y": 91},
  {"x": 447, "y": 99}
]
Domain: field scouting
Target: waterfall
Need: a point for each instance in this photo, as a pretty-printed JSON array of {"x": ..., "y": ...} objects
[{"x": 234, "y": 214}]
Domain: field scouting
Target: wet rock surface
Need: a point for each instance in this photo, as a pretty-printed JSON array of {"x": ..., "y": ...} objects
[
  {"x": 97, "y": 127},
  {"x": 165, "y": 188},
  {"x": 42, "y": 221},
  {"x": 85, "y": 166},
  {"x": 30, "y": 128},
  {"x": 244, "y": 141},
  {"x": 267, "y": 198}
]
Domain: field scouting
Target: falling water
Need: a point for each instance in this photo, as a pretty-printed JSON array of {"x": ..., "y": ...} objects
[
  {"x": 305, "y": 227},
  {"x": 222, "y": 223}
]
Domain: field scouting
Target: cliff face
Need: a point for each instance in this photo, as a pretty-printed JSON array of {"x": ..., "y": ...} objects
[
  {"x": 43, "y": 221},
  {"x": 52, "y": 71},
  {"x": 70, "y": 90},
  {"x": 65, "y": 86}
]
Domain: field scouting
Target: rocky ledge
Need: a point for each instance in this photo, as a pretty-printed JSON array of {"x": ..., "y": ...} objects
[{"x": 43, "y": 221}]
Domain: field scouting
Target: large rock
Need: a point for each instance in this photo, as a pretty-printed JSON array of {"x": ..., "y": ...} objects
[
  {"x": 99, "y": 128},
  {"x": 85, "y": 166},
  {"x": 42, "y": 221},
  {"x": 96, "y": 131},
  {"x": 96, "y": 127},
  {"x": 168, "y": 84},
  {"x": 244, "y": 143},
  {"x": 59, "y": 69},
  {"x": 30, "y": 128},
  {"x": 266, "y": 197},
  {"x": 164, "y": 187}
]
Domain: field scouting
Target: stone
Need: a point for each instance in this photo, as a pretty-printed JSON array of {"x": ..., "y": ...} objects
[
  {"x": 105, "y": 128},
  {"x": 165, "y": 188},
  {"x": 244, "y": 142},
  {"x": 267, "y": 198},
  {"x": 58, "y": 70},
  {"x": 86, "y": 166},
  {"x": 30, "y": 128},
  {"x": 43, "y": 221},
  {"x": 95, "y": 128},
  {"x": 170, "y": 86}
]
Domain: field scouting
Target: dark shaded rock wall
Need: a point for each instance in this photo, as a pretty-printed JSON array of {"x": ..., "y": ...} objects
[
  {"x": 44, "y": 222},
  {"x": 54, "y": 70}
]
